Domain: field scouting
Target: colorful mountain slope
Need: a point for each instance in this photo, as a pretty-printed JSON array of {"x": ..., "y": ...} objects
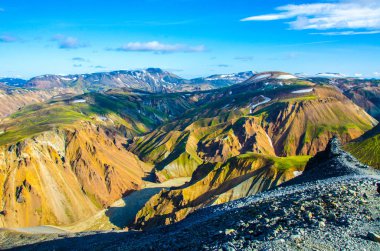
[
  {"x": 64, "y": 160},
  {"x": 218, "y": 183},
  {"x": 62, "y": 175},
  {"x": 367, "y": 148},
  {"x": 273, "y": 114},
  {"x": 14, "y": 98},
  {"x": 363, "y": 92}
]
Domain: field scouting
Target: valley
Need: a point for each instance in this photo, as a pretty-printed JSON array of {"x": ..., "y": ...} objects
[
  {"x": 79, "y": 156},
  {"x": 182, "y": 125}
]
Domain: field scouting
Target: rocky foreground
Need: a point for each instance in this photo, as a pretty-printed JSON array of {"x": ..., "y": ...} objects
[{"x": 338, "y": 213}]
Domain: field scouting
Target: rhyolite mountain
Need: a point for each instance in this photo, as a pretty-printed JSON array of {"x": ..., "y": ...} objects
[
  {"x": 13, "y": 98},
  {"x": 67, "y": 158},
  {"x": 363, "y": 92},
  {"x": 367, "y": 147},
  {"x": 341, "y": 207},
  {"x": 16, "y": 93},
  {"x": 244, "y": 142},
  {"x": 272, "y": 113},
  {"x": 217, "y": 183}
]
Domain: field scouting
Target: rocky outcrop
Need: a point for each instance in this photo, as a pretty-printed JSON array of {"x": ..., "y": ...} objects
[
  {"x": 334, "y": 214},
  {"x": 332, "y": 162}
]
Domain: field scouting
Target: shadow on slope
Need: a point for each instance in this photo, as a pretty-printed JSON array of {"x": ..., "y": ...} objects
[{"x": 122, "y": 216}]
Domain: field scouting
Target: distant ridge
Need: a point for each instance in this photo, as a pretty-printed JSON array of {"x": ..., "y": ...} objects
[{"x": 151, "y": 80}]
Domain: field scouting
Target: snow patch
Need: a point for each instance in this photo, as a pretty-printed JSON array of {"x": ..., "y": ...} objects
[
  {"x": 331, "y": 75},
  {"x": 297, "y": 173},
  {"x": 266, "y": 100},
  {"x": 303, "y": 91},
  {"x": 79, "y": 101},
  {"x": 66, "y": 79},
  {"x": 263, "y": 76},
  {"x": 286, "y": 76}
]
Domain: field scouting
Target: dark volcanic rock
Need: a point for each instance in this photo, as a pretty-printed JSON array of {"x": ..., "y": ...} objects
[{"x": 332, "y": 162}]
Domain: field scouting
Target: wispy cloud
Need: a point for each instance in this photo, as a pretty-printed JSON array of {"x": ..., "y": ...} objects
[
  {"x": 77, "y": 65},
  {"x": 8, "y": 39},
  {"x": 307, "y": 43},
  {"x": 223, "y": 65},
  {"x": 79, "y": 59},
  {"x": 157, "y": 47},
  {"x": 98, "y": 67},
  {"x": 347, "y": 33},
  {"x": 66, "y": 42},
  {"x": 360, "y": 14},
  {"x": 244, "y": 59}
]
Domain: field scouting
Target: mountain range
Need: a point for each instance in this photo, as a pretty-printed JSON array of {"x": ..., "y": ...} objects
[
  {"x": 151, "y": 80},
  {"x": 136, "y": 150}
]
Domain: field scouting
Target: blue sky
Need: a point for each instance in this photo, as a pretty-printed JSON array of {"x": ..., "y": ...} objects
[{"x": 189, "y": 37}]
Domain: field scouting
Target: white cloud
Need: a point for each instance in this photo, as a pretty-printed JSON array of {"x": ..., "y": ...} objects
[
  {"x": 362, "y": 14},
  {"x": 65, "y": 42},
  {"x": 347, "y": 33},
  {"x": 155, "y": 46}
]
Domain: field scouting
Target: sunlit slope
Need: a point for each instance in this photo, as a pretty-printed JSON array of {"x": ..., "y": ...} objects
[
  {"x": 123, "y": 112},
  {"x": 217, "y": 183},
  {"x": 367, "y": 148},
  {"x": 64, "y": 160},
  {"x": 296, "y": 118},
  {"x": 12, "y": 98},
  {"x": 62, "y": 175}
]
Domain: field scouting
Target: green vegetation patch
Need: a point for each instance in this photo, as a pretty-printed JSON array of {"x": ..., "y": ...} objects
[
  {"x": 285, "y": 163},
  {"x": 302, "y": 98},
  {"x": 29, "y": 122},
  {"x": 367, "y": 151},
  {"x": 281, "y": 163}
]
